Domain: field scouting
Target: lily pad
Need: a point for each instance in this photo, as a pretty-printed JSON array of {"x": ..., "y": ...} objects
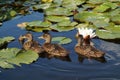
[
  {"x": 62, "y": 28},
  {"x": 69, "y": 4},
  {"x": 56, "y": 18},
  {"x": 13, "y": 56},
  {"x": 105, "y": 34},
  {"x": 61, "y": 40},
  {"x": 42, "y": 6},
  {"x": 37, "y": 29},
  {"x": 105, "y": 6},
  {"x": 39, "y": 24},
  {"x": 58, "y": 11},
  {"x": 116, "y": 19},
  {"x": 4, "y": 41},
  {"x": 110, "y": 32},
  {"x": 96, "y": 1},
  {"x": 98, "y": 19}
]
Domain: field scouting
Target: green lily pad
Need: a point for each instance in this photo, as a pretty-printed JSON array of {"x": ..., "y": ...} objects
[
  {"x": 98, "y": 19},
  {"x": 110, "y": 32},
  {"x": 13, "y": 56},
  {"x": 37, "y": 29},
  {"x": 105, "y": 6},
  {"x": 61, "y": 40},
  {"x": 114, "y": 12},
  {"x": 13, "y": 12},
  {"x": 58, "y": 11},
  {"x": 4, "y": 41},
  {"x": 39, "y": 24},
  {"x": 105, "y": 34},
  {"x": 96, "y": 1},
  {"x": 42, "y": 6},
  {"x": 116, "y": 19},
  {"x": 62, "y": 28},
  {"x": 56, "y": 18},
  {"x": 69, "y": 4}
]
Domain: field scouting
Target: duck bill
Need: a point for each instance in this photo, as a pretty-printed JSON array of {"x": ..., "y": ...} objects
[{"x": 41, "y": 37}]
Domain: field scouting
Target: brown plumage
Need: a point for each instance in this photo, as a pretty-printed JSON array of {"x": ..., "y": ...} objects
[
  {"x": 29, "y": 44},
  {"x": 53, "y": 49},
  {"x": 83, "y": 47}
]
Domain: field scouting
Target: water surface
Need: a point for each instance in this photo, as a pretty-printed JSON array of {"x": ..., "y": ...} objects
[{"x": 57, "y": 69}]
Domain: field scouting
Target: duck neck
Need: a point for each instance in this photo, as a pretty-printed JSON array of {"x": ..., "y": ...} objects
[
  {"x": 87, "y": 40},
  {"x": 80, "y": 40},
  {"x": 48, "y": 40}
]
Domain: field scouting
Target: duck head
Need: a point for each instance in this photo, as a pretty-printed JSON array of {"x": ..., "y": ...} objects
[
  {"x": 46, "y": 37},
  {"x": 87, "y": 35},
  {"x": 28, "y": 36}
]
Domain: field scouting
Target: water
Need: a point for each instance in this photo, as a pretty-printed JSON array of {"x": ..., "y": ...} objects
[{"x": 57, "y": 69}]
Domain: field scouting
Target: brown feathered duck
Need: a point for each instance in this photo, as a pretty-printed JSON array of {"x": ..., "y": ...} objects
[
  {"x": 29, "y": 44},
  {"x": 84, "y": 45},
  {"x": 53, "y": 49}
]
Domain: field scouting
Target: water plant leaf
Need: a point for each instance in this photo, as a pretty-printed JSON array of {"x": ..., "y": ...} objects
[
  {"x": 58, "y": 11},
  {"x": 42, "y": 6},
  {"x": 98, "y": 19},
  {"x": 39, "y": 24},
  {"x": 56, "y": 18},
  {"x": 14, "y": 56},
  {"x": 105, "y": 34},
  {"x": 110, "y": 32},
  {"x": 13, "y": 12},
  {"x": 37, "y": 29},
  {"x": 105, "y": 6},
  {"x": 96, "y": 1},
  {"x": 4, "y": 41},
  {"x": 69, "y": 4},
  {"x": 61, "y": 28},
  {"x": 45, "y": 1},
  {"x": 116, "y": 19},
  {"x": 61, "y": 40}
]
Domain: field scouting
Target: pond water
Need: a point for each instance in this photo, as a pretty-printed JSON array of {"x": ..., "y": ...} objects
[{"x": 57, "y": 69}]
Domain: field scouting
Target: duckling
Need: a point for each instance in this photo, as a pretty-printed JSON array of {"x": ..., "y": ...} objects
[
  {"x": 53, "y": 49},
  {"x": 30, "y": 44},
  {"x": 84, "y": 46},
  {"x": 87, "y": 50}
]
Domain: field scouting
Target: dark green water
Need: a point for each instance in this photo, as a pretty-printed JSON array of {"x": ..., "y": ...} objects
[{"x": 57, "y": 69}]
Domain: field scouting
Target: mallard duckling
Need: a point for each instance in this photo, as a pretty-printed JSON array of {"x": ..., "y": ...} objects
[
  {"x": 53, "y": 49},
  {"x": 84, "y": 46},
  {"x": 29, "y": 44}
]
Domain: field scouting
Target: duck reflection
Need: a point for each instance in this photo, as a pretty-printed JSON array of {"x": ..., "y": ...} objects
[
  {"x": 81, "y": 59},
  {"x": 49, "y": 56}
]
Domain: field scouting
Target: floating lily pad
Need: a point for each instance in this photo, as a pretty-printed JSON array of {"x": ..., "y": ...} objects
[
  {"x": 110, "y": 32},
  {"x": 116, "y": 19},
  {"x": 105, "y": 6},
  {"x": 4, "y": 41},
  {"x": 98, "y": 19},
  {"x": 56, "y": 18},
  {"x": 96, "y": 1},
  {"x": 61, "y": 40},
  {"x": 13, "y": 56},
  {"x": 58, "y": 11},
  {"x": 37, "y": 29},
  {"x": 42, "y": 6},
  {"x": 36, "y": 26},
  {"x": 69, "y": 4},
  {"x": 39, "y": 24},
  {"x": 62, "y": 28}
]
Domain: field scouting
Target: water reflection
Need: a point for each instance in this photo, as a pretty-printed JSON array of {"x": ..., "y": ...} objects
[
  {"x": 81, "y": 59},
  {"x": 48, "y": 56}
]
